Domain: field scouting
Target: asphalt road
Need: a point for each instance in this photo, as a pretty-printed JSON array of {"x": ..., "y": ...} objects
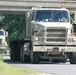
[
  {"x": 47, "y": 67},
  {"x": 21, "y": 0}
]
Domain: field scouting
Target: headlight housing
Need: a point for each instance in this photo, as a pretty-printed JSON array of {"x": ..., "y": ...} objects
[
  {"x": 39, "y": 35},
  {"x": 40, "y": 32}
]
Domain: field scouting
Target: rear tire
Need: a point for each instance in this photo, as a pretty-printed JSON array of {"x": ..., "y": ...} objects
[
  {"x": 73, "y": 58},
  {"x": 23, "y": 56},
  {"x": 15, "y": 51}
]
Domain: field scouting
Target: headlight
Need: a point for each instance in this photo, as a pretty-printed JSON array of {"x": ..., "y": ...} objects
[
  {"x": 39, "y": 39},
  {"x": 36, "y": 38},
  {"x": 39, "y": 35}
]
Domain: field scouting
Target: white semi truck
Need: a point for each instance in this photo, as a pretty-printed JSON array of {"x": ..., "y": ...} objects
[
  {"x": 3, "y": 42},
  {"x": 49, "y": 36}
]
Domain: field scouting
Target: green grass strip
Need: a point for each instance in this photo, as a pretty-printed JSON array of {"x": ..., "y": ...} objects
[{"x": 6, "y": 69}]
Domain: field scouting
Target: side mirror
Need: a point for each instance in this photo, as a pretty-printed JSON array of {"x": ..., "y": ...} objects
[
  {"x": 27, "y": 15},
  {"x": 6, "y": 34}
]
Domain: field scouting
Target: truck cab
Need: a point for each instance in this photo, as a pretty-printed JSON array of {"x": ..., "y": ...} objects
[
  {"x": 51, "y": 32},
  {"x": 3, "y": 43},
  {"x": 52, "y": 26}
]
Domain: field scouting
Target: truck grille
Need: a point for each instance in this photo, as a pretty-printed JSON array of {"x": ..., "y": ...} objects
[{"x": 56, "y": 35}]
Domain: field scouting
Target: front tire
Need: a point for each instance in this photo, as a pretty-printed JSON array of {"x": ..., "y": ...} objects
[
  {"x": 14, "y": 51},
  {"x": 73, "y": 58},
  {"x": 35, "y": 59}
]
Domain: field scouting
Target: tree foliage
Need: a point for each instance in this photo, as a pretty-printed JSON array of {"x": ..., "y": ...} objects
[{"x": 15, "y": 25}]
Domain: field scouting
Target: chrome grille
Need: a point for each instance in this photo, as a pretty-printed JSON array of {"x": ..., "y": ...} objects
[{"x": 56, "y": 35}]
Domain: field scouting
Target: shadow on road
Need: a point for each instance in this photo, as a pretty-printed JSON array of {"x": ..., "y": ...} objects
[{"x": 7, "y": 60}]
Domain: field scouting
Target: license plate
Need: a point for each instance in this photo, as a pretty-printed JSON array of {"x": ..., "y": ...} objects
[{"x": 55, "y": 49}]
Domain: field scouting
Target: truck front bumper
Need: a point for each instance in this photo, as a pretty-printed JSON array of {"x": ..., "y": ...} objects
[{"x": 38, "y": 48}]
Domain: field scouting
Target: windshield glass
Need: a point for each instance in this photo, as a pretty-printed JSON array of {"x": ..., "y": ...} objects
[
  {"x": 52, "y": 16},
  {"x": 1, "y": 33}
]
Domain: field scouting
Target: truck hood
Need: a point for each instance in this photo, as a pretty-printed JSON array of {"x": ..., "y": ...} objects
[{"x": 52, "y": 24}]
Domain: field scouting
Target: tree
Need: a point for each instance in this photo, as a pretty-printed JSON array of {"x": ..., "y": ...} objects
[{"x": 15, "y": 25}]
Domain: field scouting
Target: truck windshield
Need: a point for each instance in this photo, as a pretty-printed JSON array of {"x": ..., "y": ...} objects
[
  {"x": 1, "y": 33},
  {"x": 52, "y": 16}
]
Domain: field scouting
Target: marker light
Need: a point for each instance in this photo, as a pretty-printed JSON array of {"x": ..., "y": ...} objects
[
  {"x": 62, "y": 6},
  {"x": 36, "y": 34}
]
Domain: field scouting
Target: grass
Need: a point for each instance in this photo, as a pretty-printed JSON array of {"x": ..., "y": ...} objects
[{"x": 6, "y": 69}]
